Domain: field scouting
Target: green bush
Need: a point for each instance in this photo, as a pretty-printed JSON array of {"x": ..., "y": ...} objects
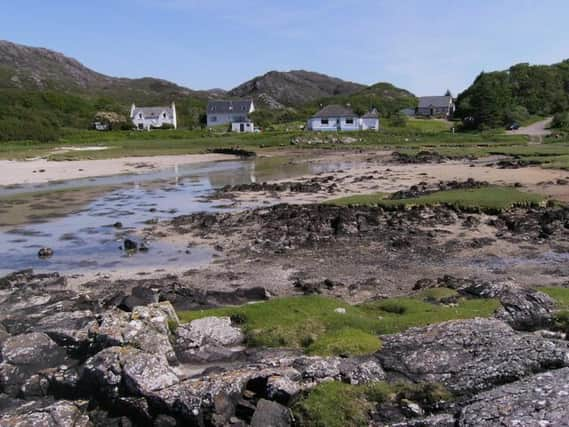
[{"x": 560, "y": 121}]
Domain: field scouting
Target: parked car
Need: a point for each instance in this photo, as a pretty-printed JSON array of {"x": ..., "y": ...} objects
[{"x": 513, "y": 126}]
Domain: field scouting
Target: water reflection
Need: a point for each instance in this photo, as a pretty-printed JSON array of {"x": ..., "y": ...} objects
[{"x": 75, "y": 218}]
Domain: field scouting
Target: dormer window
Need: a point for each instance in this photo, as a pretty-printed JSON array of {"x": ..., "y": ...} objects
[
  {"x": 140, "y": 115},
  {"x": 164, "y": 115}
]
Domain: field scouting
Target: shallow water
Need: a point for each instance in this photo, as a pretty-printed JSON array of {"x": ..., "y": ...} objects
[{"x": 75, "y": 218}]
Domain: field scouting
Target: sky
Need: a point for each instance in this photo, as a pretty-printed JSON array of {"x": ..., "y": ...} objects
[{"x": 423, "y": 46}]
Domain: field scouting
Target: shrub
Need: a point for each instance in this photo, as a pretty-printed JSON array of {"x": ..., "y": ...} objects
[{"x": 560, "y": 121}]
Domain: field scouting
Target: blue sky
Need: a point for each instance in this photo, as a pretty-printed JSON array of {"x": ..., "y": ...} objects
[{"x": 422, "y": 46}]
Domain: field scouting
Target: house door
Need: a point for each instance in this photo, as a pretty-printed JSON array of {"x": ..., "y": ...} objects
[
  {"x": 338, "y": 125},
  {"x": 241, "y": 127}
]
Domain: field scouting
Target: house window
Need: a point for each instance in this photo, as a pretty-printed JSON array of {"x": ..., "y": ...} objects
[
  {"x": 349, "y": 121},
  {"x": 214, "y": 118},
  {"x": 324, "y": 122},
  {"x": 140, "y": 116},
  {"x": 164, "y": 115}
]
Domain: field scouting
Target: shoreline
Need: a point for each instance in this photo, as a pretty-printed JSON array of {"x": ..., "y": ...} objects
[{"x": 41, "y": 171}]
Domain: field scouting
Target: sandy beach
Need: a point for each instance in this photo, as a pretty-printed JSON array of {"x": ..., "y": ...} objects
[{"x": 40, "y": 171}]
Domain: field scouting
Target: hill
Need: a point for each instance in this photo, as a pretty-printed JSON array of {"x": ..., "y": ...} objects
[
  {"x": 499, "y": 97},
  {"x": 43, "y": 91},
  {"x": 278, "y": 89}
]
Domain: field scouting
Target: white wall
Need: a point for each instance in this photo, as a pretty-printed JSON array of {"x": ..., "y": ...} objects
[
  {"x": 370, "y": 124},
  {"x": 316, "y": 124},
  {"x": 247, "y": 127}
]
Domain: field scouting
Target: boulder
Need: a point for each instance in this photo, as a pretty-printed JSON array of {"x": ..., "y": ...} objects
[
  {"x": 440, "y": 420},
  {"x": 115, "y": 368},
  {"x": 208, "y": 339},
  {"x": 318, "y": 369},
  {"x": 469, "y": 356},
  {"x": 24, "y": 356},
  {"x": 361, "y": 371},
  {"x": 68, "y": 329},
  {"x": 59, "y": 414},
  {"x": 540, "y": 400},
  {"x": 271, "y": 414},
  {"x": 526, "y": 309},
  {"x": 146, "y": 328}
]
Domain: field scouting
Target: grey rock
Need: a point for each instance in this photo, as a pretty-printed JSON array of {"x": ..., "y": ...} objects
[
  {"x": 207, "y": 340},
  {"x": 271, "y": 414},
  {"x": 282, "y": 388},
  {"x": 68, "y": 329},
  {"x": 540, "y": 400},
  {"x": 24, "y": 356},
  {"x": 526, "y": 309},
  {"x": 318, "y": 368},
  {"x": 469, "y": 356},
  {"x": 59, "y": 414},
  {"x": 34, "y": 349},
  {"x": 361, "y": 371},
  {"x": 441, "y": 420},
  {"x": 146, "y": 328},
  {"x": 144, "y": 373},
  {"x": 140, "y": 373}
]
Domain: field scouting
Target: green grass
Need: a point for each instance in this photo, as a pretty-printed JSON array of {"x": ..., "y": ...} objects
[
  {"x": 336, "y": 404},
  {"x": 311, "y": 322},
  {"x": 492, "y": 198},
  {"x": 560, "y": 295},
  {"x": 345, "y": 342}
]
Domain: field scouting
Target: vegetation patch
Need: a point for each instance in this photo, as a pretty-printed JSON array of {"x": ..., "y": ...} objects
[
  {"x": 335, "y": 404},
  {"x": 560, "y": 295},
  {"x": 488, "y": 199},
  {"x": 320, "y": 326}
]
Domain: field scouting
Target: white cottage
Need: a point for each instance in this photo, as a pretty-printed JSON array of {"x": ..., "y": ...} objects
[
  {"x": 334, "y": 118},
  {"x": 370, "y": 121},
  {"x": 146, "y": 118},
  {"x": 339, "y": 118},
  {"x": 243, "y": 127}
]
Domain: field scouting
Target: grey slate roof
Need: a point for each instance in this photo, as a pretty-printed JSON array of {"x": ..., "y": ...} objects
[
  {"x": 153, "y": 112},
  {"x": 228, "y": 107},
  {"x": 434, "y": 101},
  {"x": 335, "y": 111}
]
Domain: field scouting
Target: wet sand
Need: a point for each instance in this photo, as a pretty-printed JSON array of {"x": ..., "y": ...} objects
[{"x": 40, "y": 171}]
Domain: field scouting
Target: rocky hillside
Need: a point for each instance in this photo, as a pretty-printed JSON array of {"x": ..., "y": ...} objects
[
  {"x": 24, "y": 67},
  {"x": 293, "y": 88}
]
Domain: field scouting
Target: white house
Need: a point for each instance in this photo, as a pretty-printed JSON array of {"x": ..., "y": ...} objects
[
  {"x": 146, "y": 118},
  {"x": 228, "y": 112},
  {"x": 370, "y": 120},
  {"x": 339, "y": 118},
  {"x": 243, "y": 127}
]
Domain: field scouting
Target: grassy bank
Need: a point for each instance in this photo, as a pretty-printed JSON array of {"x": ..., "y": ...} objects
[
  {"x": 335, "y": 404},
  {"x": 492, "y": 198},
  {"x": 328, "y": 326}
]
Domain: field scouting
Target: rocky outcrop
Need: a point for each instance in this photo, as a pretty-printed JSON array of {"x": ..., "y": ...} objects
[
  {"x": 59, "y": 414},
  {"x": 271, "y": 414},
  {"x": 469, "y": 356},
  {"x": 23, "y": 358},
  {"x": 526, "y": 309},
  {"x": 208, "y": 339},
  {"x": 540, "y": 400}
]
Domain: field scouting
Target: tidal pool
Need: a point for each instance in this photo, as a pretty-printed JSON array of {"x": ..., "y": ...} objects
[{"x": 75, "y": 218}]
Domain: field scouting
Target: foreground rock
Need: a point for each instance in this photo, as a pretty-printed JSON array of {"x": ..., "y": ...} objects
[
  {"x": 540, "y": 400},
  {"x": 59, "y": 414},
  {"x": 208, "y": 339},
  {"x": 469, "y": 356}
]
